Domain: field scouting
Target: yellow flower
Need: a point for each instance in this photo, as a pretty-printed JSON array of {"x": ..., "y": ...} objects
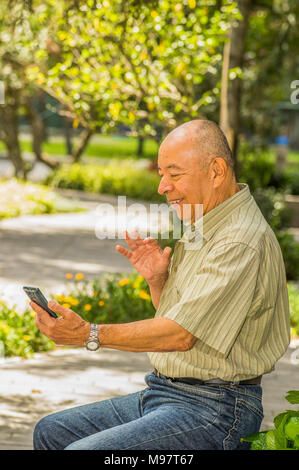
[
  {"x": 144, "y": 295},
  {"x": 69, "y": 275},
  {"x": 74, "y": 302},
  {"x": 123, "y": 281},
  {"x": 26, "y": 337},
  {"x": 87, "y": 307},
  {"x": 66, "y": 305},
  {"x": 95, "y": 293},
  {"x": 79, "y": 276},
  {"x": 101, "y": 303}
]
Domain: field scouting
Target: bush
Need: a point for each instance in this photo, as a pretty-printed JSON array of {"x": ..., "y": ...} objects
[
  {"x": 273, "y": 207},
  {"x": 294, "y": 308},
  {"x": 113, "y": 298},
  {"x": 23, "y": 198},
  {"x": 256, "y": 166},
  {"x": 119, "y": 178},
  {"x": 275, "y": 211},
  {"x": 18, "y": 333},
  {"x": 285, "y": 435}
]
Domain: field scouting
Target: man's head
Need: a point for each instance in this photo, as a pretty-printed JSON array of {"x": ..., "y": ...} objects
[{"x": 196, "y": 167}]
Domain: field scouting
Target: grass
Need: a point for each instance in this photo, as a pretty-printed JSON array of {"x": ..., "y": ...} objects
[{"x": 100, "y": 146}]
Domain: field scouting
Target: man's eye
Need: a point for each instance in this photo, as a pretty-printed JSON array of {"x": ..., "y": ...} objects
[{"x": 173, "y": 176}]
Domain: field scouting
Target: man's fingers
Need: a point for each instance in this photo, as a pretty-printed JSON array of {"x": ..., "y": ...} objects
[
  {"x": 43, "y": 316},
  {"x": 166, "y": 252},
  {"x": 57, "y": 308},
  {"x": 123, "y": 251}
]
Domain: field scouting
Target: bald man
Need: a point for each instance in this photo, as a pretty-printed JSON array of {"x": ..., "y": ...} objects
[{"x": 221, "y": 321}]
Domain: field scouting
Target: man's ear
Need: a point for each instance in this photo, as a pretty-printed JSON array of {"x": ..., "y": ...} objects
[{"x": 218, "y": 171}]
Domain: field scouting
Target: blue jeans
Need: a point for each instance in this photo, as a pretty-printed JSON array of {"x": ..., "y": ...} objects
[{"x": 166, "y": 415}]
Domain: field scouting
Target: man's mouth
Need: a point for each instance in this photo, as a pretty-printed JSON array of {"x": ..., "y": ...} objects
[{"x": 176, "y": 202}]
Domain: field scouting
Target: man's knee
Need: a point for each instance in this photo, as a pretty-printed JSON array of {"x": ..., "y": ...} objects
[{"x": 43, "y": 432}]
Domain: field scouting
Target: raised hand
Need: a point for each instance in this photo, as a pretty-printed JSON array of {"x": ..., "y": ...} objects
[{"x": 147, "y": 258}]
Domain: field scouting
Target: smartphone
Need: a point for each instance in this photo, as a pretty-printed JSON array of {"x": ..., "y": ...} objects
[{"x": 35, "y": 294}]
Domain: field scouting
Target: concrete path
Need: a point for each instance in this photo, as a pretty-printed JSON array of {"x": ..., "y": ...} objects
[{"x": 39, "y": 251}]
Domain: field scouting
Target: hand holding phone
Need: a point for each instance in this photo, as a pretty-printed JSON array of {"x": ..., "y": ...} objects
[{"x": 36, "y": 295}]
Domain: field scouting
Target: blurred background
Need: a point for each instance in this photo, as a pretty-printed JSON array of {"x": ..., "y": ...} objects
[{"x": 88, "y": 91}]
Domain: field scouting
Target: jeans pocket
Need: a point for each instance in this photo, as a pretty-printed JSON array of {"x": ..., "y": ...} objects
[{"x": 248, "y": 416}]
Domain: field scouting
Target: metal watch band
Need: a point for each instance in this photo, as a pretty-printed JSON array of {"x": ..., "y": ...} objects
[
  {"x": 93, "y": 342},
  {"x": 93, "y": 332}
]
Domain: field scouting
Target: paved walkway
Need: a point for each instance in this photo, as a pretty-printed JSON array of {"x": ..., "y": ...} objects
[{"x": 39, "y": 250}]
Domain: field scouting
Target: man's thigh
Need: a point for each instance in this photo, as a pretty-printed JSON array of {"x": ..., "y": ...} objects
[
  {"x": 165, "y": 428},
  {"x": 58, "y": 430}
]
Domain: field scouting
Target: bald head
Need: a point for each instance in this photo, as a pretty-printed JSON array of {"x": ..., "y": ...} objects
[{"x": 205, "y": 140}]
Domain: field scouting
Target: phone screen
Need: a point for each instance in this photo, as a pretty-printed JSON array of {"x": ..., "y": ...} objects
[{"x": 36, "y": 295}]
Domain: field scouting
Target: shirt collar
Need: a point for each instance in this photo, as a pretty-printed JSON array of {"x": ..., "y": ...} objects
[{"x": 206, "y": 226}]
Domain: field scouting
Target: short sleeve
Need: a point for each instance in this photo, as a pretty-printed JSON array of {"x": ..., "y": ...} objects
[{"x": 215, "y": 305}]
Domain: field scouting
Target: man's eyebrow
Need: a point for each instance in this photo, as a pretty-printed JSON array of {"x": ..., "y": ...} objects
[{"x": 173, "y": 166}]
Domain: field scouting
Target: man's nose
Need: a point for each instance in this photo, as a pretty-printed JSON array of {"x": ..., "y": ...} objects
[{"x": 164, "y": 186}]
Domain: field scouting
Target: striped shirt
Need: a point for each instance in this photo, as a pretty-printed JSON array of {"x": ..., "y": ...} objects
[{"x": 230, "y": 291}]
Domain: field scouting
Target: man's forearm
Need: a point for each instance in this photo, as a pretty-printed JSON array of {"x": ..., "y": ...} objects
[
  {"x": 155, "y": 334},
  {"x": 156, "y": 291}
]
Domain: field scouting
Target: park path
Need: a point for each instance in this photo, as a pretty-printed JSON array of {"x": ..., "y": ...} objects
[{"x": 39, "y": 250}]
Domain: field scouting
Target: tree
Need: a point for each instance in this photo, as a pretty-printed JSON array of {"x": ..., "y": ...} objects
[{"x": 148, "y": 66}]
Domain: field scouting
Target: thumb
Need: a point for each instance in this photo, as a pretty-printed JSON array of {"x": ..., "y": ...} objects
[{"x": 57, "y": 308}]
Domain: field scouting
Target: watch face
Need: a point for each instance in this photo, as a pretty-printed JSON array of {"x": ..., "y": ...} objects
[{"x": 92, "y": 345}]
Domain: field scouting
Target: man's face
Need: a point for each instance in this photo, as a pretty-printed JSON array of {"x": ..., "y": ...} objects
[{"x": 182, "y": 181}]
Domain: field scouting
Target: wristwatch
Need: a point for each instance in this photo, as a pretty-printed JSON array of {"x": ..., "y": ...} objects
[{"x": 93, "y": 343}]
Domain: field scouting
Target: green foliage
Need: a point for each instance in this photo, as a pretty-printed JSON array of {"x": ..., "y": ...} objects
[
  {"x": 290, "y": 253},
  {"x": 273, "y": 207},
  {"x": 291, "y": 178},
  {"x": 257, "y": 166},
  {"x": 294, "y": 308},
  {"x": 113, "y": 298},
  {"x": 20, "y": 198},
  {"x": 19, "y": 334},
  {"x": 148, "y": 66},
  {"x": 118, "y": 177},
  {"x": 285, "y": 435}
]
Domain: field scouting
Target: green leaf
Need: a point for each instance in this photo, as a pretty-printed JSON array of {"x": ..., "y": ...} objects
[
  {"x": 275, "y": 440},
  {"x": 292, "y": 428},
  {"x": 293, "y": 397},
  {"x": 258, "y": 440}
]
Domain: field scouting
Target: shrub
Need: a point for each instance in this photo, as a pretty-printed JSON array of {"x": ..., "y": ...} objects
[
  {"x": 285, "y": 435},
  {"x": 118, "y": 177},
  {"x": 273, "y": 207},
  {"x": 294, "y": 308},
  {"x": 112, "y": 298},
  {"x": 18, "y": 333},
  {"x": 23, "y": 198},
  {"x": 256, "y": 166}
]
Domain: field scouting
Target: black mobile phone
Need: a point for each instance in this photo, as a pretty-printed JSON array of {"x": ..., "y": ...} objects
[{"x": 35, "y": 294}]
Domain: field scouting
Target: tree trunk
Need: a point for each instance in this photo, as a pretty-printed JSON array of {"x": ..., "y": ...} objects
[
  {"x": 80, "y": 147},
  {"x": 140, "y": 146},
  {"x": 10, "y": 131},
  {"x": 231, "y": 89},
  {"x": 38, "y": 132}
]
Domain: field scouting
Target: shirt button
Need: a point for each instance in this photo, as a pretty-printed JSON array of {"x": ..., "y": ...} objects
[{"x": 175, "y": 268}]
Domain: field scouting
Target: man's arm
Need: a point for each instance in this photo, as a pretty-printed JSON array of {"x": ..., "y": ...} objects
[
  {"x": 154, "y": 334},
  {"x": 156, "y": 291}
]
